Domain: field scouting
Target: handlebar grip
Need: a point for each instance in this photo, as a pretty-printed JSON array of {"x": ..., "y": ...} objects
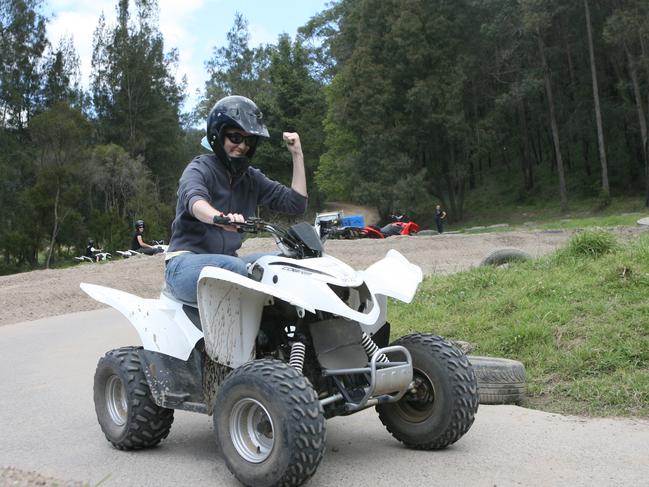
[{"x": 221, "y": 220}]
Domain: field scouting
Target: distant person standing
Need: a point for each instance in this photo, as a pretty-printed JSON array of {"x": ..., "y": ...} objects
[{"x": 440, "y": 215}]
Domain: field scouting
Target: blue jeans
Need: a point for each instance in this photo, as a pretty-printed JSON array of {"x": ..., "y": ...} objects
[{"x": 182, "y": 271}]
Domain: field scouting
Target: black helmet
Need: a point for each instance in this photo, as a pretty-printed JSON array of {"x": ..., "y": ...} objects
[
  {"x": 139, "y": 223},
  {"x": 234, "y": 111},
  {"x": 91, "y": 242}
]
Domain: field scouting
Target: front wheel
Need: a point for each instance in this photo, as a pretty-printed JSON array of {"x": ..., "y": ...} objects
[
  {"x": 441, "y": 406},
  {"x": 269, "y": 424},
  {"x": 126, "y": 411}
]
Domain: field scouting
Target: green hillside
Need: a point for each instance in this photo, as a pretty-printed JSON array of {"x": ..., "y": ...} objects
[{"x": 578, "y": 319}]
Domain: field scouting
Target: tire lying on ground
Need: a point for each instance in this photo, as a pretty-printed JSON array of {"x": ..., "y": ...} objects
[
  {"x": 505, "y": 256},
  {"x": 500, "y": 380}
]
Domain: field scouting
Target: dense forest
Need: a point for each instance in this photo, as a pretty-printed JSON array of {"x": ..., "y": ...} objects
[{"x": 400, "y": 104}]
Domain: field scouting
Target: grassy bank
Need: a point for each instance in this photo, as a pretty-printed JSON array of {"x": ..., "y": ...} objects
[{"x": 578, "y": 319}]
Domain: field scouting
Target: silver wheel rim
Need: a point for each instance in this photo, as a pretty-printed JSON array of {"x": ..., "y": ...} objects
[
  {"x": 251, "y": 430},
  {"x": 116, "y": 402}
]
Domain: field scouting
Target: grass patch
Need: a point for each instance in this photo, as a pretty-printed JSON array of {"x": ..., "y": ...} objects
[
  {"x": 497, "y": 201},
  {"x": 578, "y": 319},
  {"x": 591, "y": 243}
]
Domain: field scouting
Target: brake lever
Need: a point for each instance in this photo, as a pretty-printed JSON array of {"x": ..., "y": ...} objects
[{"x": 249, "y": 226}]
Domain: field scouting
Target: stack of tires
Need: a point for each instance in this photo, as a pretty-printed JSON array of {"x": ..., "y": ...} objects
[{"x": 500, "y": 380}]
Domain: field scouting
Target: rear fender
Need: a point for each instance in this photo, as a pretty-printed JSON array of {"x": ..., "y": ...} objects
[{"x": 161, "y": 323}]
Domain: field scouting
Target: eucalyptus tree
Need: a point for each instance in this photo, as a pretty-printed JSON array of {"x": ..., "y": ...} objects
[
  {"x": 62, "y": 75},
  {"x": 283, "y": 82},
  {"x": 403, "y": 102},
  {"x": 318, "y": 37},
  {"x": 135, "y": 94},
  {"x": 508, "y": 62},
  {"x": 235, "y": 69},
  {"x": 13, "y": 166},
  {"x": 22, "y": 43},
  {"x": 537, "y": 20},
  {"x": 120, "y": 189},
  {"x": 627, "y": 30},
  {"x": 60, "y": 134},
  {"x": 295, "y": 102},
  {"x": 606, "y": 190}
]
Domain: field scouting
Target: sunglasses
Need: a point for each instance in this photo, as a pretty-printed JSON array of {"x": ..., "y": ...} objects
[{"x": 237, "y": 138}]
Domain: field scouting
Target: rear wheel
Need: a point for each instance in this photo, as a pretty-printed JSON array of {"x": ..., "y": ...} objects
[
  {"x": 441, "y": 407},
  {"x": 269, "y": 424},
  {"x": 126, "y": 411}
]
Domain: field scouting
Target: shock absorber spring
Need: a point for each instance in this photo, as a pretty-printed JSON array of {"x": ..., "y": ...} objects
[
  {"x": 371, "y": 348},
  {"x": 298, "y": 351}
]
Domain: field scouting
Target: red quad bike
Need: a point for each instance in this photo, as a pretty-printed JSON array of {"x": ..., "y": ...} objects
[
  {"x": 400, "y": 225},
  {"x": 371, "y": 231}
]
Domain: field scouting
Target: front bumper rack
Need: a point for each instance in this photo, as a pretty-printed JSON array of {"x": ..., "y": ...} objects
[{"x": 388, "y": 381}]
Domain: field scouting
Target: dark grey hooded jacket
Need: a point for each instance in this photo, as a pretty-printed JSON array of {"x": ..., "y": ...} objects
[{"x": 208, "y": 179}]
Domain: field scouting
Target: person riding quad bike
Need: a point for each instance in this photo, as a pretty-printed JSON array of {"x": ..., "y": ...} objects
[
  {"x": 224, "y": 184},
  {"x": 139, "y": 245}
]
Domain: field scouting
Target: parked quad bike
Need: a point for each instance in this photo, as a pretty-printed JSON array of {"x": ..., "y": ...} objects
[
  {"x": 271, "y": 356},
  {"x": 329, "y": 226},
  {"x": 399, "y": 225},
  {"x": 97, "y": 257},
  {"x": 159, "y": 245}
]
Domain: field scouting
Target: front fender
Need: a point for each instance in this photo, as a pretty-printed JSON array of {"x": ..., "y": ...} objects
[
  {"x": 393, "y": 276},
  {"x": 230, "y": 307}
]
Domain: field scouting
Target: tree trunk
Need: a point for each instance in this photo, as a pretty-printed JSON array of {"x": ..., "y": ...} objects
[
  {"x": 585, "y": 154},
  {"x": 448, "y": 179},
  {"x": 642, "y": 119},
  {"x": 55, "y": 228},
  {"x": 455, "y": 182},
  {"x": 526, "y": 159},
  {"x": 536, "y": 147},
  {"x": 598, "y": 113},
  {"x": 645, "y": 58},
  {"x": 563, "y": 197}
]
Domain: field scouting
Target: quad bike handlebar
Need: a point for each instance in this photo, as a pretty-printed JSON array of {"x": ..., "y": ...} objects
[
  {"x": 298, "y": 241},
  {"x": 252, "y": 225}
]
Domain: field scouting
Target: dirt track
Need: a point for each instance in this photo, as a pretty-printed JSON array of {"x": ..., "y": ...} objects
[{"x": 39, "y": 294}]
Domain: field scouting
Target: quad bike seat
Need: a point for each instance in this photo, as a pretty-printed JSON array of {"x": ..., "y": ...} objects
[
  {"x": 190, "y": 309},
  {"x": 167, "y": 293}
]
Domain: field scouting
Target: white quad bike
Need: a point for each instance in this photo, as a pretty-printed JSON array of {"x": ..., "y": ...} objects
[
  {"x": 99, "y": 256},
  {"x": 271, "y": 356},
  {"x": 159, "y": 244}
]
